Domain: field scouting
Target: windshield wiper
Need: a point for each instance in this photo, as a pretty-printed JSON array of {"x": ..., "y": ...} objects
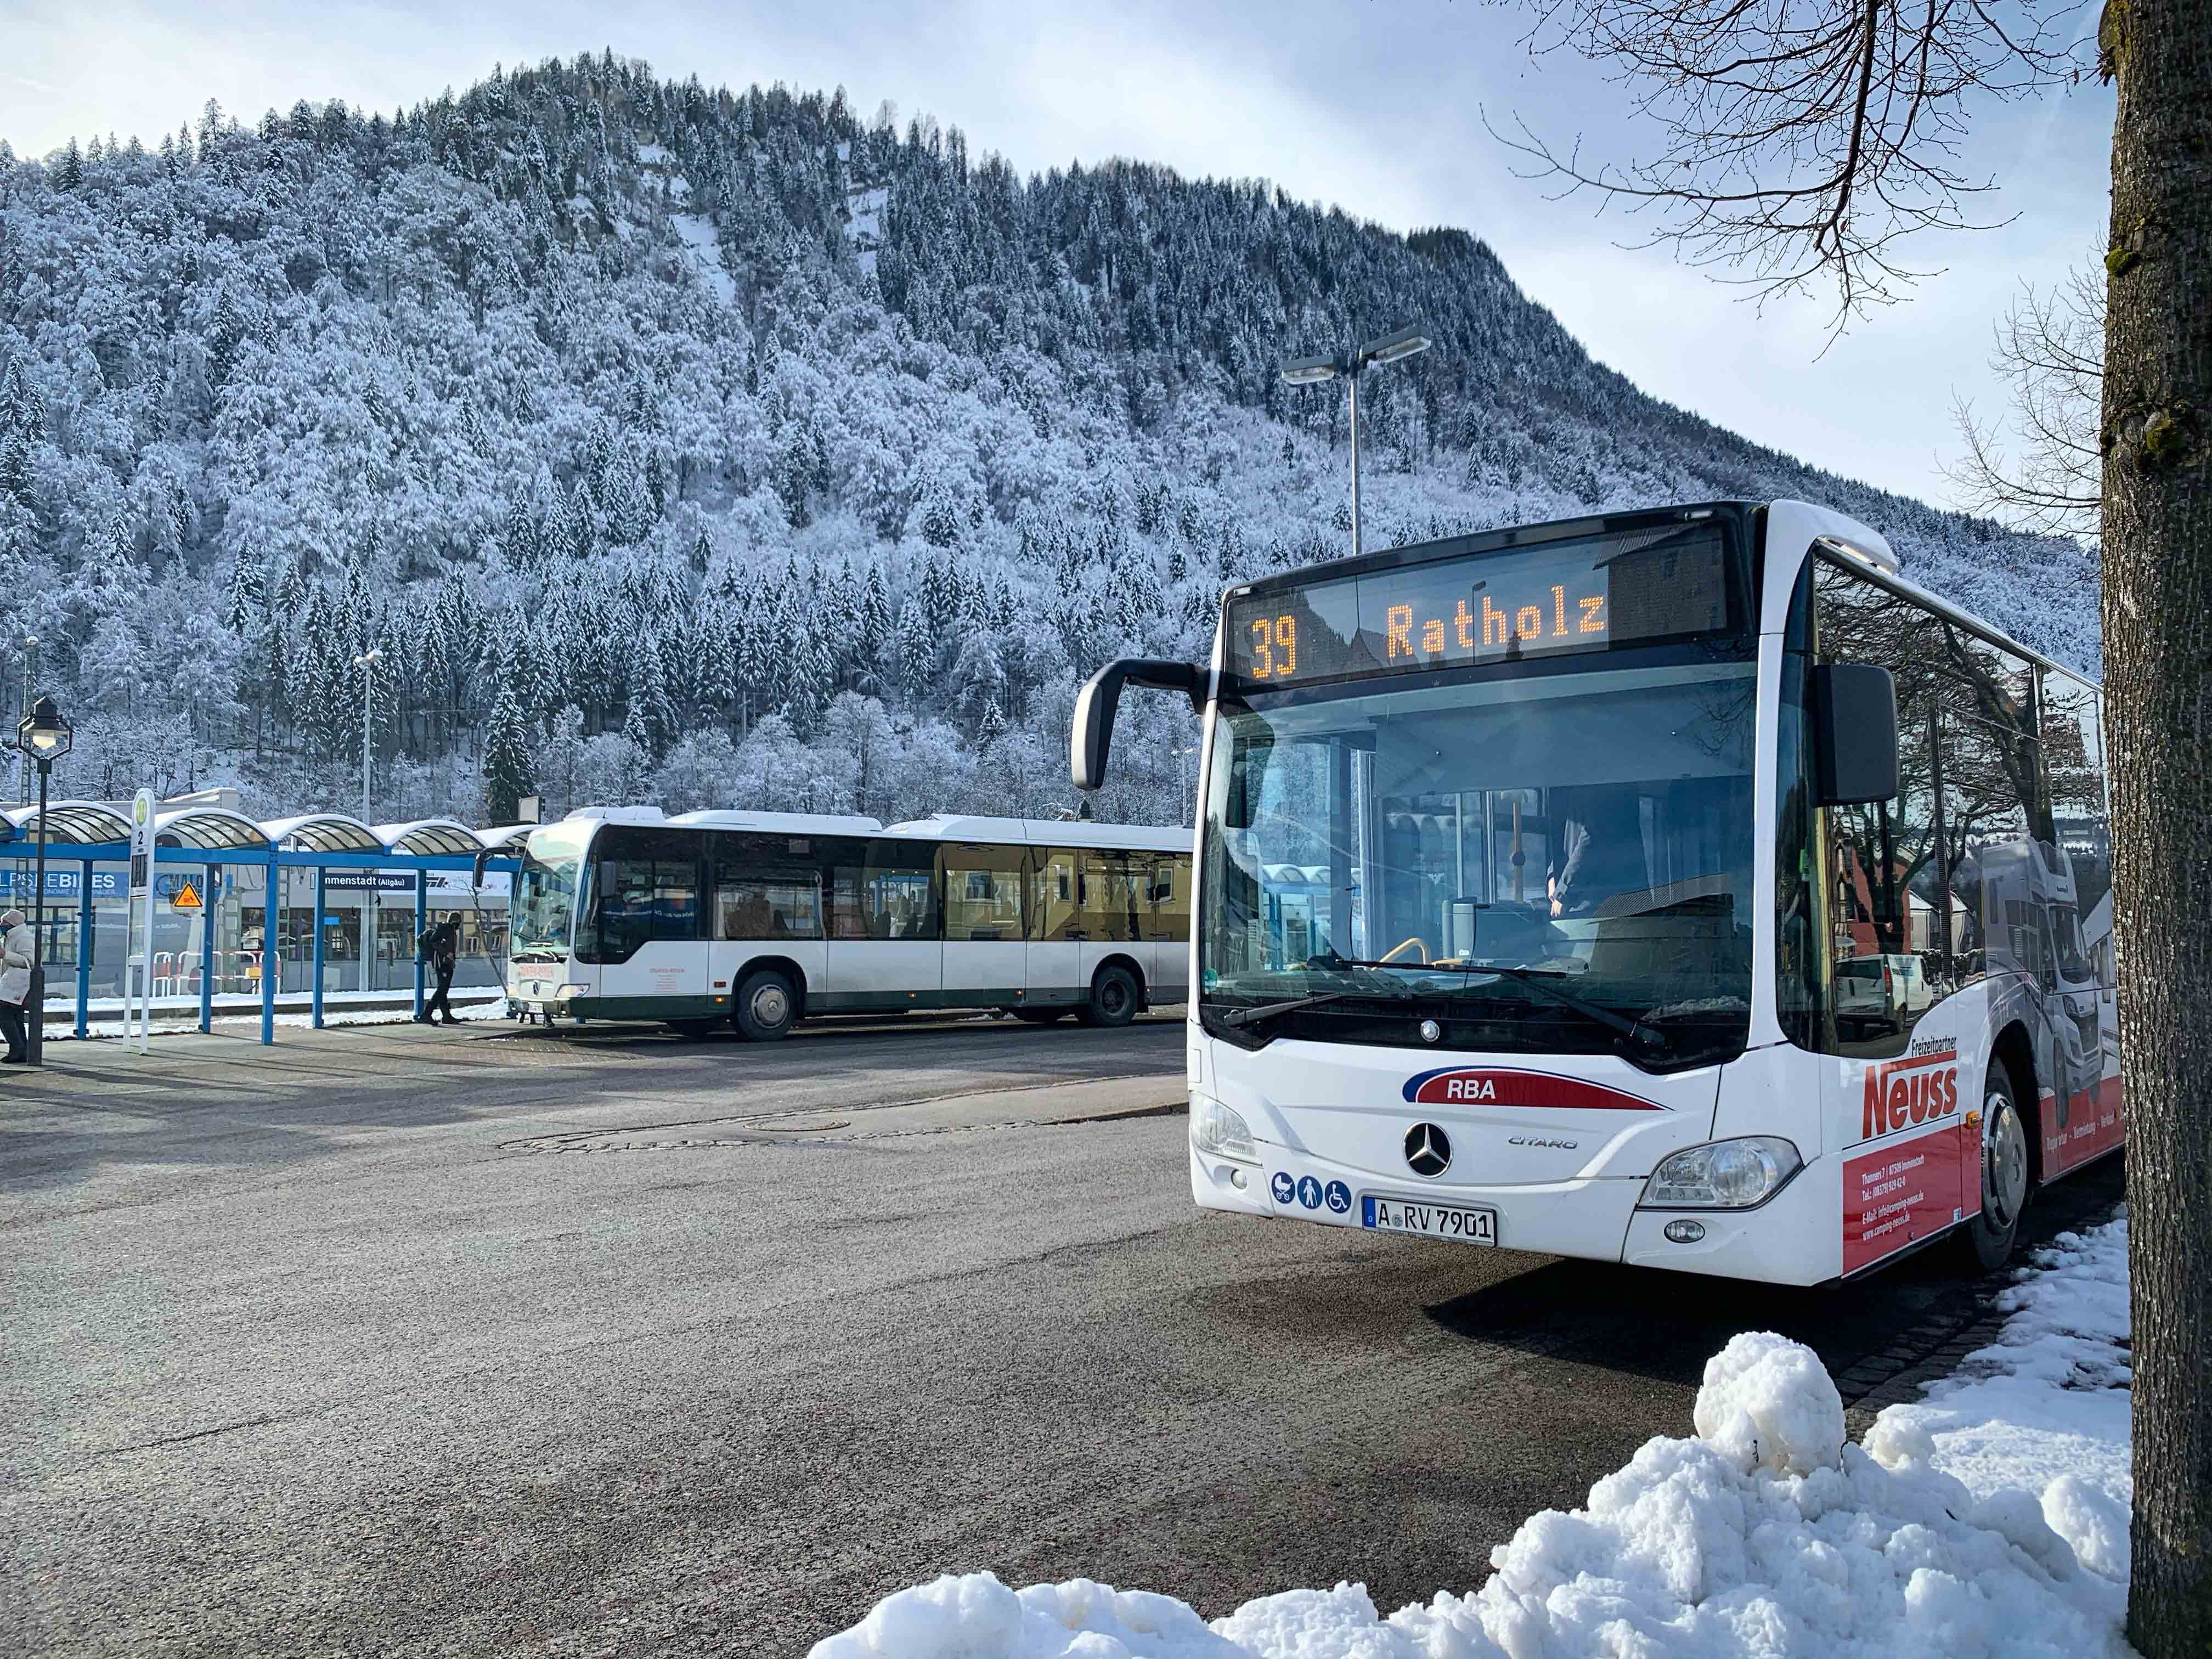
[
  {"x": 1536, "y": 980},
  {"x": 1330, "y": 962},
  {"x": 1267, "y": 1010}
]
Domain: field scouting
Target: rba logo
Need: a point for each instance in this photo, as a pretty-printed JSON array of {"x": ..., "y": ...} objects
[
  {"x": 1509, "y": 1087},
  {"x": 1902, "y": 1092}
]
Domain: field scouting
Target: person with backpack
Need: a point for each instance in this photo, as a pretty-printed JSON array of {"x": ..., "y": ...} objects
[{"x": 440, "y": 947}]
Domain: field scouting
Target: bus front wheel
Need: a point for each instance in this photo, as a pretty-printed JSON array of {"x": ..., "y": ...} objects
[
  {"x": 2004, "y": 1172},
  {"x": 1114, "y": 998},
  {"x": 766, "y": 1007}
]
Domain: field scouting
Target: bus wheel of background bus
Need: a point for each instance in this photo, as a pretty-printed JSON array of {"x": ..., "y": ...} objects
[
  {"x": 2004, "y": 1172},
  {"x": 1113, "y": 997},
  {"x": 1040, "y": 1016},
  {"x": 766, "y": 1007},
  {"x": 694, "y": 1028}
]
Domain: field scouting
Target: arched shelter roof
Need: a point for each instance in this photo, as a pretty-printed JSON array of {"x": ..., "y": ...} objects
[
  {"x": 432, "y": 837},
  {"x": 324, "y": 832},
  {"x": 78, "y": 823},
  {"x": 209, "y": 829}
]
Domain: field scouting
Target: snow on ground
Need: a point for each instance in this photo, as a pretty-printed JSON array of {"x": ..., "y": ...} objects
[
  {"x": 2045, "y": 1406},
  {"x": 1987, "y": 1522},
  {"x": 705, "y": 248}
]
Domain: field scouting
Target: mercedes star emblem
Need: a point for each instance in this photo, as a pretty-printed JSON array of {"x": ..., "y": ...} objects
[{"x": 1428, "y": 1150}]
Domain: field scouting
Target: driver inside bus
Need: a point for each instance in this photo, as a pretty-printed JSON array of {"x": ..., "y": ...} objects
[{"x": 1598, "y": 847}]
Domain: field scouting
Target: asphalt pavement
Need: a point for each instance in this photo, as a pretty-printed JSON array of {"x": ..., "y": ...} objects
[{"x": 488, "y": 1341}]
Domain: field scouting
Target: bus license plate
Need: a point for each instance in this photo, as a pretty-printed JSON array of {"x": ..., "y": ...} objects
[{"x": 1391, "y": 1215}]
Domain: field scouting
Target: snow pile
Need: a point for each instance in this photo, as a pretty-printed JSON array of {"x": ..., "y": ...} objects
[{"x": 1766, "y": 1533}]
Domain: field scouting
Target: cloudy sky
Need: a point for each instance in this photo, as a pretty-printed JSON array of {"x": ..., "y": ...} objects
[{"x": 1372, "y": 105}]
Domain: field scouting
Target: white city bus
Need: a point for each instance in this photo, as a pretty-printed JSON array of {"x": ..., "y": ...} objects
[
  {"x": 1529, "y": 861},
  {"x": 757, "y": 920}
]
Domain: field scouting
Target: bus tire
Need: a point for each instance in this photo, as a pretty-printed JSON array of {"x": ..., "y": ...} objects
[
  {"x": 1114, "y": 997},
  {"x": 767, "y": 1006},
  {"x": 2005, "y": 1172},
  {"x": 1040, "y": 1016}
]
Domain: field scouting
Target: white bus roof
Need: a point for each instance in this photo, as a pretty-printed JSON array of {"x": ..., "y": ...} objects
[
  {"x": 1034, "y": 832},
  {"x": 819, "y": 824},
  {"x": 1046, "y": 832}
]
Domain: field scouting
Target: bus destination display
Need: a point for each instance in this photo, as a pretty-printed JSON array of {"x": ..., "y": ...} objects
[{"x": 1663, "y": 582}]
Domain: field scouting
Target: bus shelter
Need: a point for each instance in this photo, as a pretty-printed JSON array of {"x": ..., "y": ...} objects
[{"x": 220, "y": 848}]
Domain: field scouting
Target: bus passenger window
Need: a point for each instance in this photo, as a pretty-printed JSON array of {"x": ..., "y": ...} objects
[
  {"x": 983, "y": 893},
  {"x": 767, "y": 906}
]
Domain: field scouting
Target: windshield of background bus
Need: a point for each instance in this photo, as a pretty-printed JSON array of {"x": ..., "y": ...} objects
[
  {"x": 545, "y": 890},
  {"x": 1593, "y": 823}
]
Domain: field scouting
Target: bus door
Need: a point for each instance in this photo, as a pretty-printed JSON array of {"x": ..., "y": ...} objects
[
  {"x": 1170, "y": 926},
  {"x": 986, "y": 955},
  {"x": 1056, "y": 927},
  {"x": 645, "y": 893},
  {"x": 883, "y": 949},
  {"x": 1113, "y": 893}
]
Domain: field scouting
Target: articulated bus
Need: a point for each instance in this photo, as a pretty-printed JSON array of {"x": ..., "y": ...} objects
[
  {"x": 756, "y": 920},
  {"x": 1682, "y": 888}
]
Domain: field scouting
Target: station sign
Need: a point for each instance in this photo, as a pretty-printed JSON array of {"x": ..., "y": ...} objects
[
  {"x": 442, "y": 884},
  {"x": 61, "y": 884},
  {"x": 141, "y": 840}
]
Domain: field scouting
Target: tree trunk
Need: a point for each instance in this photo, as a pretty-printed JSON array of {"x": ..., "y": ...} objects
[{"x": 2157, "y": 442}]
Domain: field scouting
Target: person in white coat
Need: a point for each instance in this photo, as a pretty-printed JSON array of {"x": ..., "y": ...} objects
[{"x": 17, "y": 944}]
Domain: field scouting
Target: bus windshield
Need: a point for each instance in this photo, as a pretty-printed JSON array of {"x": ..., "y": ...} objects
[
  {"x": 545, "y": 890},
  {"x": 1543, "y": 862}
]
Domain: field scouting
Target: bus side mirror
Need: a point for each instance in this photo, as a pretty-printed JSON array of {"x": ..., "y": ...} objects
[
  {"x": 1855, "y": 734},
  {"x": 1092, "y": 732}
]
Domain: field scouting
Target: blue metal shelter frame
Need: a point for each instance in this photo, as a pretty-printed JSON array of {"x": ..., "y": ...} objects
[{"x": 210, "y": 841}]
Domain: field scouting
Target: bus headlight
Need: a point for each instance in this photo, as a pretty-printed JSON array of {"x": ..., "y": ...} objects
[
  {"x": 567, "y": 991},
  {"x": 1220, "y": 1132},
  {"x": 1723, "y": 1174}
]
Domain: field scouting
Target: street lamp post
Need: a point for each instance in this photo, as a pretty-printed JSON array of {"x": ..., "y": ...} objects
[
  {"x": 44, "y": 737},
  {"x": 30, "y": 677},
  {"x": 1312, "y": 371},
  {"x": 367, "y": 663},
  {"x": 1184, "y": 755}
]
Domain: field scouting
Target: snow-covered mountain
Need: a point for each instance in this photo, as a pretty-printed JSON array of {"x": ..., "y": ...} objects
[{"x": 728, "y": 447}]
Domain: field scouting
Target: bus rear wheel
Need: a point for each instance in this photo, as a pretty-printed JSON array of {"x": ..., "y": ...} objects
[
  {"x": 766, "y": 1007},
  {"x": 1114, "y": 997},
  {"x": 2004, "y": 1172}
]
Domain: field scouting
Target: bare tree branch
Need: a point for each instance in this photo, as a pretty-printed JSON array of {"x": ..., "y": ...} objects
[
  {"x": 1803, "y": 139},
  {"x": 2049, "y": 350}
]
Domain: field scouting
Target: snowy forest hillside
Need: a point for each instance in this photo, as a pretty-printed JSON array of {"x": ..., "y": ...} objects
[{"x": 731, "y": 448}]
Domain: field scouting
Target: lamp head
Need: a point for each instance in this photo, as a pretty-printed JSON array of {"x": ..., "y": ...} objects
[
  {"x": 1392, "y": 348},
  {"x": 43, "y": 734},
  {"x": 1309, "y": 371}
]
